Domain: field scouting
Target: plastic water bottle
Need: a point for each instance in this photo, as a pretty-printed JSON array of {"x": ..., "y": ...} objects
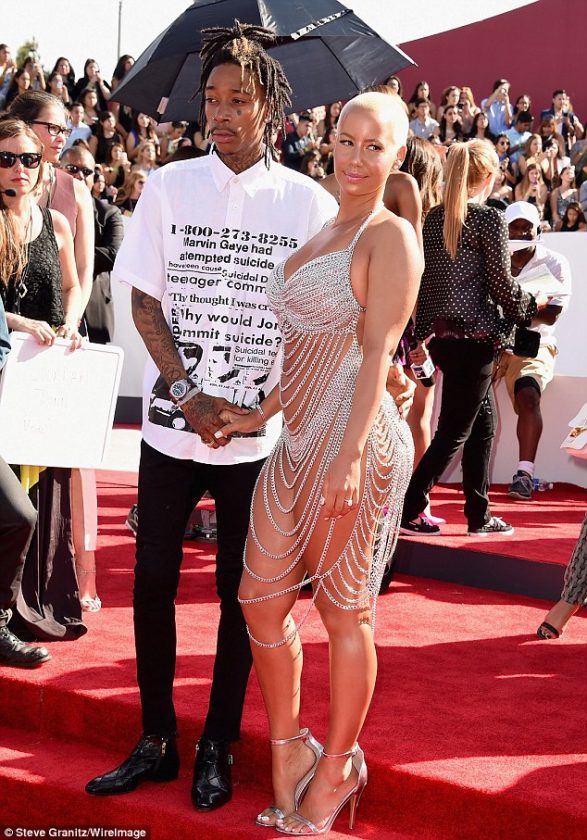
[{"x": 540, "y": 484}]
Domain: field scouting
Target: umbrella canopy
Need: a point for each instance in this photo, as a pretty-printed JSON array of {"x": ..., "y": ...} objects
[{"x": 327, "y": 52}]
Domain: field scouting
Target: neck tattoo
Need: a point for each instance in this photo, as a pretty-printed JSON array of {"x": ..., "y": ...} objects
[{"x": 241, "y": 162}]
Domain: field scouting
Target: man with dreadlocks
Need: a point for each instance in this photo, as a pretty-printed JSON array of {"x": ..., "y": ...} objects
[{"x": 201, "y": 244}]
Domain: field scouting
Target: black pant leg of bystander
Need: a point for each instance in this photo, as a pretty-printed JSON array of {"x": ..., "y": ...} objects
[
  {"x": 466, "y": 378},
  {"x": 475, "y": 464},
  {"x": 17, "y": 523}
]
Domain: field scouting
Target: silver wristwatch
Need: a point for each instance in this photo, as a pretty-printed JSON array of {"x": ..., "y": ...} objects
[{"x": 182, "y": 390}]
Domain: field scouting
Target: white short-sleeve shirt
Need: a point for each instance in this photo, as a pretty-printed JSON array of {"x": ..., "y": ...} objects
[
  {"x": 203, "y": 240},
  {"x": 559, "y": 267}
]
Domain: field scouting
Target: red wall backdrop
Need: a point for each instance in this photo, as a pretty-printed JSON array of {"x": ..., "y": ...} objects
[{"x": 539, "y": 48}]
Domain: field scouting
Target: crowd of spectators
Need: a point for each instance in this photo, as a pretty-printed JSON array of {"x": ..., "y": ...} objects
[
  {"x": 126, "y": 145},
  {"x": 543, "y": 158},
  {"x": 542, "y": 150}
]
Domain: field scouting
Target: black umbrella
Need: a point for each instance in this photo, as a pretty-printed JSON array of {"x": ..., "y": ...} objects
[{"x": 327, "y": 52}]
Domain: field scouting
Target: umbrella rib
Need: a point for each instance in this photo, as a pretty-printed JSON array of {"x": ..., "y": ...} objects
[{"x": 317, "y": 23}]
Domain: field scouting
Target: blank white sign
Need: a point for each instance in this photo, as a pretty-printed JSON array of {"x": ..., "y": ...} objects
[{"x": 57, "y": 406}]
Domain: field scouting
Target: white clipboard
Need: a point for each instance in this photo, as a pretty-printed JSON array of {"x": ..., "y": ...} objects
[
  {"x": 540, "y": 279},
  {"x": 57, "y": 406}
]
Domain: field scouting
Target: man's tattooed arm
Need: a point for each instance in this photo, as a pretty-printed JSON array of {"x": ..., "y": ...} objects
[
  {"x": 154, "y": 330},
  {"x": 202, "y": 411}
]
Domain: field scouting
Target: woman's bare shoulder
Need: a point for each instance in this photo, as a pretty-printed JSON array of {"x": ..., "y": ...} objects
[
  {"x": 392, "y": 220},
  {"x": 402, "y": 195},
  {"x": 390, "y": 231}
]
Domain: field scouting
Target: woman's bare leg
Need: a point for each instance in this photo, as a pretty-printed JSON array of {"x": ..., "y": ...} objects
[
  {"x": 559, "y": 615},
  {"x": 420, "y": 417},
  {"x": 278, "y": 666},
  {"x": 352, "y": 672},
  {"x": 84, "y": 523}
]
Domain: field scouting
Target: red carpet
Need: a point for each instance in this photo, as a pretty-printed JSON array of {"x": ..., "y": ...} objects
[
  {"x": 546, "y": 528},
  {"x": 477, "y": 729}
]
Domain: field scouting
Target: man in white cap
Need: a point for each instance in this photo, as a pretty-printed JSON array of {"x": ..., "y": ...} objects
[{"x": 528, "y": 369}]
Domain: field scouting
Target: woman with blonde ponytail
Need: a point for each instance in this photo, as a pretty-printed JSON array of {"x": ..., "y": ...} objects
[{"x": 469, "y": 304}]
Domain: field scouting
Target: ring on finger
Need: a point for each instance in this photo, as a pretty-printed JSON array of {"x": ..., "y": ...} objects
[
  {"x": 218, "y": 434},
  {"x": 348, "y": 502}
]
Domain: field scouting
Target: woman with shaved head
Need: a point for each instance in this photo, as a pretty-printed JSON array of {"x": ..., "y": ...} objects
[{"x": 337, "y": 476}]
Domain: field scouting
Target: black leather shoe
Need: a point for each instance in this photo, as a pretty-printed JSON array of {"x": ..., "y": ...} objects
[
  {"x": 154, "y": 759},
  {"x": 19, "y": 654},
  {"x": 212, "y": 785}
]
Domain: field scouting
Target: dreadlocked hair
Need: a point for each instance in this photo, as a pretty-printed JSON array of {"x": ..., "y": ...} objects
[{"x": 246, "y": 46}]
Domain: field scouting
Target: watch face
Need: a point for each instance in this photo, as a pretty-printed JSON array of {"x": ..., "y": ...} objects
[{"x": 179, "y": 389}]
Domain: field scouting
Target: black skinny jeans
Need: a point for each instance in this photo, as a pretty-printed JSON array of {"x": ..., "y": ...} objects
[
  {"x": 17, "y": 524},
  {"x": 467, "y": 419},
  {"x": 168, "y": 490}
]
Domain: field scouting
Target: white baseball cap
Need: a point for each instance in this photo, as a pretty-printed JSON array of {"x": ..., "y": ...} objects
[{"x": 522, "y": 210}]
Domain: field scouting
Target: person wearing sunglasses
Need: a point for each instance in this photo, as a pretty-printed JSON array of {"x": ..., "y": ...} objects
[
  {"x": 502, "y": 147},
  {"x": 42, "y": 297},
  {"x": 109, "y": 231},
  {"x": 20, "y": 174},
  {"x": 46, "y": 116}
]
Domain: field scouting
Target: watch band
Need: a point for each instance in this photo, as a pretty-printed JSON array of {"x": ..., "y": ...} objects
[{"x": 191, "y": 393}]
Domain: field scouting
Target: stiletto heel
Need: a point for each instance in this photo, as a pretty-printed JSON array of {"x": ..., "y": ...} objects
[
  {"x": 353, "y": 797},
  {"x": 354, "y": 806},
  {"x": 301, "y": 787}
]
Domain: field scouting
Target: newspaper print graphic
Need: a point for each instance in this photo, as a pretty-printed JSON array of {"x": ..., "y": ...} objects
[{"x": 225, "y": 333}]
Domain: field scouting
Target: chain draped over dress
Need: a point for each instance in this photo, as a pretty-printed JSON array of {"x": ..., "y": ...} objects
[{"x": 318, "y": 315}]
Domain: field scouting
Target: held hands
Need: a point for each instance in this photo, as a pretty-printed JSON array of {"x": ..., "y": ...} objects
[
  {"x": 341, "y": 487},
  {"x": 244, "y": 423},
  {"x": 204, "y": 414}
]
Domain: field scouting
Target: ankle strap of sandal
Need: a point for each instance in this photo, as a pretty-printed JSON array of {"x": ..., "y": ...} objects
[
  {"x": 348, "y": 754},
  {"x": 280, "y": 742}
]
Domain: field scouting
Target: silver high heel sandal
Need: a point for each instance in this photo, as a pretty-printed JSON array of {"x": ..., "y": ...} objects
[
  {"x": 353, "y": 796},
  {"x": 301, "y": 787}
]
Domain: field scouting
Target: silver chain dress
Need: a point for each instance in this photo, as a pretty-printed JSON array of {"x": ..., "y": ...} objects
[{"x": 318, "y": 317}]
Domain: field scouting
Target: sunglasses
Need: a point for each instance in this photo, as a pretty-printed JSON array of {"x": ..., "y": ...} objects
[
  {"x": 53, "y": 129},
  {"x": 30, "y": 160},
  {"x": 73, "y": 169}
]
